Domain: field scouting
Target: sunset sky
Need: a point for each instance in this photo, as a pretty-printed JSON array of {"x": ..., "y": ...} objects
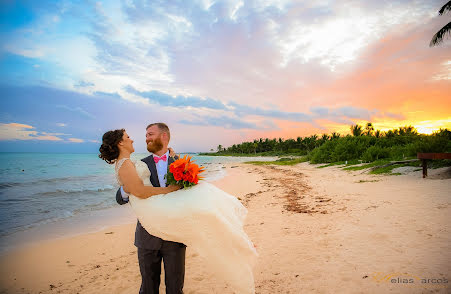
[{"x": 217, "y": 72}]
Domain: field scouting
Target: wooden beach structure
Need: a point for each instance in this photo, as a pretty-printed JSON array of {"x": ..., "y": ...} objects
[{"x": 424, "y": 157}]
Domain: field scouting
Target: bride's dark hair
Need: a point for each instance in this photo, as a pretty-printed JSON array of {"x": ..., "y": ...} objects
[{"x": 109, "y": 150}]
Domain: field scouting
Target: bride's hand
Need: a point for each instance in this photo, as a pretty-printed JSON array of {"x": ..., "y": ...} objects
[
  {"x": 174, "y": 187},
  {"x": 171, "y": 152}
]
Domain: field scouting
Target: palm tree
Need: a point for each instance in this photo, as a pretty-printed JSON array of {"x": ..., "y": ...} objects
[
  {"x": 335, "y": 135},
  {"x": 408, "y": 130},
  {"x": 443, "y": 133},
  {"x": 356, "y": 130},
  {"x": 438, "y": 37},
  {"x": 324, "y": 138},
  {"x": 369, "y": 129}
]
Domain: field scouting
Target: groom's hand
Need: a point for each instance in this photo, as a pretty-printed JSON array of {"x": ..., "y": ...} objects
[
  {"x": 121, "y": 196},
  {"x": 171, "y": 152}
]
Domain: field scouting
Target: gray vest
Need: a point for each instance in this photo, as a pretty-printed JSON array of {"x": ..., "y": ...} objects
[{"x": 142, "y": 238}]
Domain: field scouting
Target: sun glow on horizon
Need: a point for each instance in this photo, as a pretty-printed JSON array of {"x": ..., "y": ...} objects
[
  {"x": 426, "y": 127},
  {"x": 425, "y": 130},
  {"x": 429, "y": 127}
]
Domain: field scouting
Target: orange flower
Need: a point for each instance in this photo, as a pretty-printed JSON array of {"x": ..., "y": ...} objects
[
  {"x": 175, "y": 170},
  {"x": 184, "y": 169},
  {"x": 179, "y": 163},
  {"x": 178, "y": 176},
  {"x": 194, "y": 170},
  {"x": 186, "y": 177}
]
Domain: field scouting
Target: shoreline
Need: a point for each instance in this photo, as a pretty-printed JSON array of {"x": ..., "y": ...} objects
[
  {"x": 81, "y": 224},
  {"x": 88, "y": 221},
  {"x": 315, "y": 230}
]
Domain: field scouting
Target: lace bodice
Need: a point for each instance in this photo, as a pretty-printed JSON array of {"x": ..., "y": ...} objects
[{"x": 141, "y": 168}]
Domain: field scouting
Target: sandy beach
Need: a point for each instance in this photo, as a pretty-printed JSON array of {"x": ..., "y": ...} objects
[{"x": 317, "y": 230}]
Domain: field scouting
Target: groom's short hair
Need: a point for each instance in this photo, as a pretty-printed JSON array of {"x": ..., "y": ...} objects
[{"x": 162, "y": 127}]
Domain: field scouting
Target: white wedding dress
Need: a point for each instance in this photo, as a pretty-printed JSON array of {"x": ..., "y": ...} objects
[{"x": 205, "y": 219}]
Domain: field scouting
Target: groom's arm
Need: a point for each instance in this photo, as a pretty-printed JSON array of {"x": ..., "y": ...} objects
[{"x": 121, "y": 196}]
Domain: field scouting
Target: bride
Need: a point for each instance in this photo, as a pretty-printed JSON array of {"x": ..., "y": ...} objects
[{"x": 203, "y": 217}]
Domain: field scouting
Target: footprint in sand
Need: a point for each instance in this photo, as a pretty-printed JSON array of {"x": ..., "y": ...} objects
[{"x": 380, "y": 237}]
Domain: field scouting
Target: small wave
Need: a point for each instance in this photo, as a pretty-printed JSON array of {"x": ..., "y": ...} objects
[
  {"x": 94, "y": 207},
  {"x": 62, "y": 215},
  {"x": 16, "y": 200},
  {"x": 8, "y": 185},
  {"x": 76, "y": 191},
  {"x": 65, "y": 214},
  {"x": 46, "y": 181}
]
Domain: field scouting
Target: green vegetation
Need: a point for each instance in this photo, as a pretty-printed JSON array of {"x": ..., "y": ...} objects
[
  {"x": 384, "y": 170},
  {"x": 345, "y": 163},
  {"x": 368, "y": 165},
  {"x": 365, "y": 148},
  {"x": 281, "y": 161}
]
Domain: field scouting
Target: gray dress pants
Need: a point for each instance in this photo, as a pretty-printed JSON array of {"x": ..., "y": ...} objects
[{"x": 173, "y": 256}]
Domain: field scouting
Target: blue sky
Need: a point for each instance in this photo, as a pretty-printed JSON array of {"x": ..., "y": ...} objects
[{"x": 217, "y": 72}]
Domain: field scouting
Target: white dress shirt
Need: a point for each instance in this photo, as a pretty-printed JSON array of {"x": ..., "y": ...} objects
[{"x": 162, "y": 169}]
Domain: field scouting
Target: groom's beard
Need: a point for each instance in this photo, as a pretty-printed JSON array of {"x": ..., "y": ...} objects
[{"x": 155, "y": 146}]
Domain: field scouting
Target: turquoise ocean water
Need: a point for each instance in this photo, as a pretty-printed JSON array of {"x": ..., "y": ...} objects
[{"x": 39, "y": 188}]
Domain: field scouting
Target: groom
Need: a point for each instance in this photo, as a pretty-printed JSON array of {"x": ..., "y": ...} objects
[{"x": 151, "y": 249}]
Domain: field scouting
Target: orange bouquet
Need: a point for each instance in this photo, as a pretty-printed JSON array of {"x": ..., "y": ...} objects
[{"x": 184, "y": 172}]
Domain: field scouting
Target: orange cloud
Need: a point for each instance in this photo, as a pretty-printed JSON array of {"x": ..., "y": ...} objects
[
  {"x": 17, "y": 131},
  {"x": 397, "y": 74}
]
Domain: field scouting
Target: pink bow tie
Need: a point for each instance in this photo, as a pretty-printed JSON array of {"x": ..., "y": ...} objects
[{"x": 156, "y": 158}]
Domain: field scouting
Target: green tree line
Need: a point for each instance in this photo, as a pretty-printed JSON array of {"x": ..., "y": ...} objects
[{"x": 364, "y": 143}]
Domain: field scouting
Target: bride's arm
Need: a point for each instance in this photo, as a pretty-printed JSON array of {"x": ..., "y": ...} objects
[{"x": 133, "y": 184}]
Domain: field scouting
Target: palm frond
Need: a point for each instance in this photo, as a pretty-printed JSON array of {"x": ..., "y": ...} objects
[
  {"x": 445, "y": 8},
  {"x": 438, "y": 37}
]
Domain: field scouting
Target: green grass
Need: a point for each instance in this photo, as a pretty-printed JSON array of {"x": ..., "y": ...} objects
[
  {"x": 332, "y": 164},
  {"x": 368, "y": 165},
  {"x": 385, "y": 170},
  {"x": 280, "y": 161},
  {"x": 439, "y": 163},
  {"x": 350, "y": 165},
  {"x": 388, "y": 169},
  {"x": 347, "y": 163}
]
